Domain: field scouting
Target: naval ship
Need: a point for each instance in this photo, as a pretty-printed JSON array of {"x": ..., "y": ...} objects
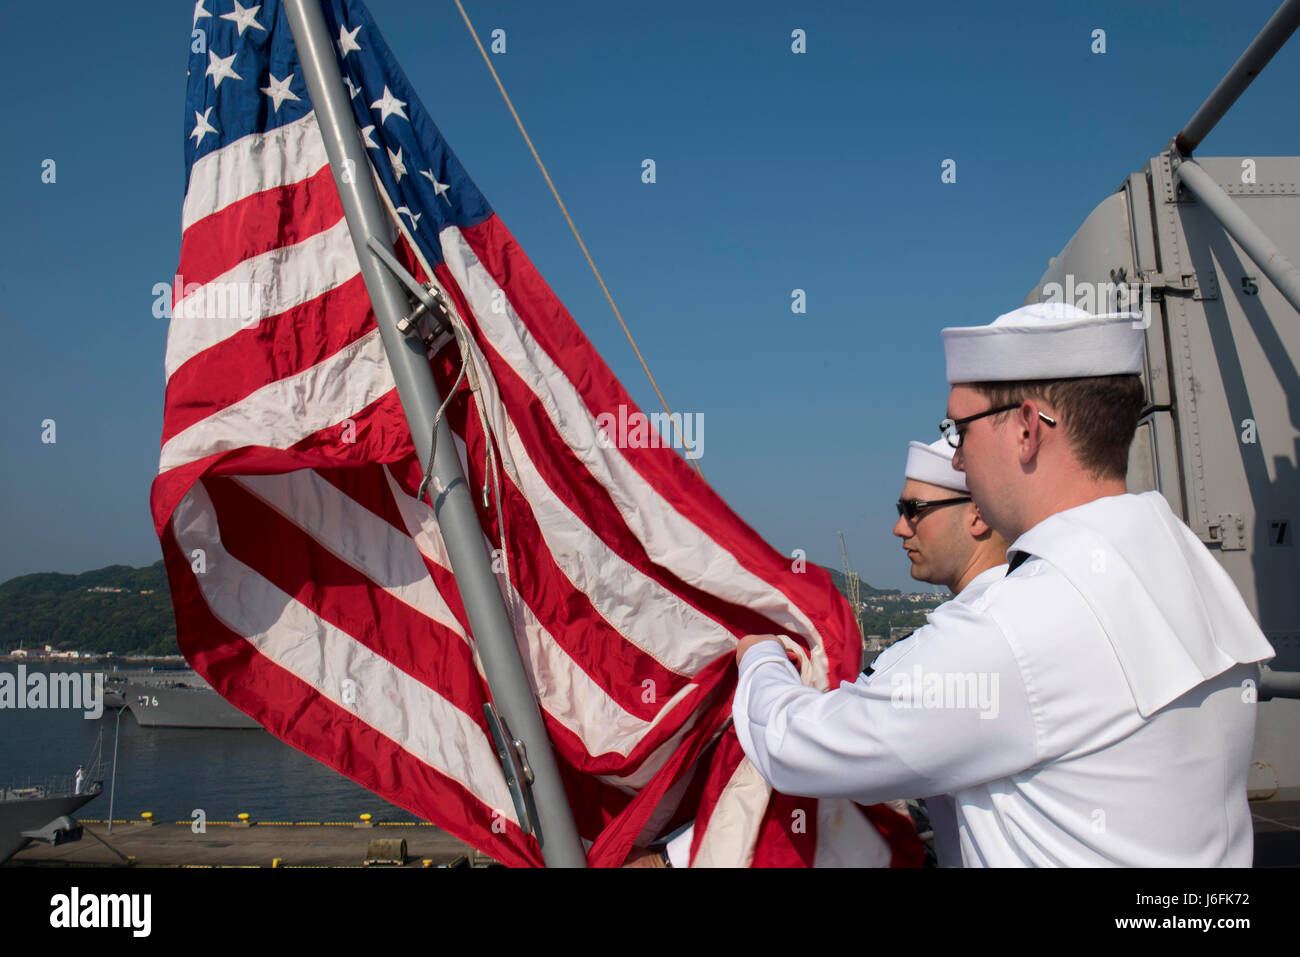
[
  {"x": 173, "y": 700},
  {"x": 42, "y": 812}
]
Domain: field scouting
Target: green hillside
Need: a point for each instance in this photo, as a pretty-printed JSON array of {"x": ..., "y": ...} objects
[
  {"x": 866, "y": 590},
  {"x": 49, "y": 608}
]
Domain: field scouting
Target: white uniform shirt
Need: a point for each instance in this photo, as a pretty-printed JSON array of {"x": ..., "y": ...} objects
[
  {"x": 941, "y": 808},
  {"x": 1065, "y": 735}
]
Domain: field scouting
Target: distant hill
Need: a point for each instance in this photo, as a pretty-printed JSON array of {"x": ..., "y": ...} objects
[
  {"x": 49, "y": 608},
  {"x": 866, "y": 590}
]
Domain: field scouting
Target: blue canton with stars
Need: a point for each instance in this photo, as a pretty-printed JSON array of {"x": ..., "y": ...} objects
[{"x": 245, "y": 77}]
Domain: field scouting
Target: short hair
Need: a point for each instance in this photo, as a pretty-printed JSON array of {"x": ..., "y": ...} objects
[{"x": 1099, "y": 414}]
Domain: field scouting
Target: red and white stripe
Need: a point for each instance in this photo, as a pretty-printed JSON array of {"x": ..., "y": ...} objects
[{"x": 313, "y": 590}]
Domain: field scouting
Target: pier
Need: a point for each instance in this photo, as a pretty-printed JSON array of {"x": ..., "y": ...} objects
[{"x": 240, "y": 844}]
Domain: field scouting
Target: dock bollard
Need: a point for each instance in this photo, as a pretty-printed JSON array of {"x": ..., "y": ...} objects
[
  {"x": 146, "y": 819},
  {"x": 276, "y": 861},
  {"x": 244, "y": 820},
  {"x": 364, "y": 822}
]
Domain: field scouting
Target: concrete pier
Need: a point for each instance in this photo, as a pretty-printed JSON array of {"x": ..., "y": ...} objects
[
  {"x": 344, "y": 844},
  {"x": 232, "y": 844}
]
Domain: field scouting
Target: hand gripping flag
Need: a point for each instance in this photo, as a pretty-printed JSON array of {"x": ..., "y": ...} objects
[{"x": 311, "y": 585}]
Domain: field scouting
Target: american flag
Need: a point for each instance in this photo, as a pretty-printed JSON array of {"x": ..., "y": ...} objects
[{"x": 311, "y": 585}]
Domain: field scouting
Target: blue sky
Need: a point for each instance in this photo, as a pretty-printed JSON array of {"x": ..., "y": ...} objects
[{"x": 775, "y": 171}]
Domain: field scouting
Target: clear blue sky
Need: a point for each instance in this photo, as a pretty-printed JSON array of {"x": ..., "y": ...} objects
[{"x": 775, "y": 171}]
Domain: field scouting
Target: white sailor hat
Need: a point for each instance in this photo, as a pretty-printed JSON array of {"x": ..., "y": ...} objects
[
  {"x": 932, "y": 464},
  {"x": 1045, "y": 340}
]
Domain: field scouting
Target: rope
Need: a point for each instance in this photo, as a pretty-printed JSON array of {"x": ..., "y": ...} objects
[
  {"x": 469, "y": 366},
  {"x": 583, "y": 246},
  {"x": 437, "y": 416}
]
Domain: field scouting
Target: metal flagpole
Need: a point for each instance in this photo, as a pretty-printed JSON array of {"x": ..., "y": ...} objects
[{"x": 523, "y": 740}]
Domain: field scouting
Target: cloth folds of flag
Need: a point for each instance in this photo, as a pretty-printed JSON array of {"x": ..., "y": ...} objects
[{"x": 311, "y": 585}]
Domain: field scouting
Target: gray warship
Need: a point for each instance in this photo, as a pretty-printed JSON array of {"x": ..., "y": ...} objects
[
  {"x": 42, "y": 812},
  {"x": 173, "y": 700}
]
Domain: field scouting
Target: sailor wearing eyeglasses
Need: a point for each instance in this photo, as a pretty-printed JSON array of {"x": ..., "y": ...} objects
[{"x": 1094, "y": 707}]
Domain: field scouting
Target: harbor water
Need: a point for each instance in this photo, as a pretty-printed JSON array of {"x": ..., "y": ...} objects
[{"x": 172, "y": 772}]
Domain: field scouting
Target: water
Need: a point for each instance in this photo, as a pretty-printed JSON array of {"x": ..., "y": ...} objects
[{"x": 173, "y": 771}]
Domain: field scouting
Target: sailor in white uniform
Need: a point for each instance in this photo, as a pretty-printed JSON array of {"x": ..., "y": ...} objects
[
  {"x": 949, "y": 544},
  {"x": 947, "y": 541},
  {"x": 1094, "y": 707}
]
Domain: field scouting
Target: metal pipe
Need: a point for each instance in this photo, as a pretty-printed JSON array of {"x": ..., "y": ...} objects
[
  {"x": 1242, "y": 228},
  {"x": 1276, "y": 32},
  {"x": 493, "y": 636},
  {"x": 1278, "y": 684},
  {"x": 112, "y": 788}
]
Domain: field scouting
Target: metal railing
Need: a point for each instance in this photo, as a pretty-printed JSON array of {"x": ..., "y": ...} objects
[{"x": 59, "y": 785}]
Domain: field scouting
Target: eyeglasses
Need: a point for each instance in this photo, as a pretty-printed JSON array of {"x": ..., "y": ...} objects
[
  {"x": 910, "y": 508},
  {"x": 951, "y": 428}
]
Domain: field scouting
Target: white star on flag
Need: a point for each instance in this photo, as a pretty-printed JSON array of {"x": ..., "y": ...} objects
[
  {"x": 201, "y": 126},
  {"x": 348, "y": 41},
  {"x": 439, "y": 189},
  {"x": 243, "y": 18},
  {"x": 388, "y": 105},
  {"x": 396, "y": 159},
  {"x": 353, "y": 89},
  {"x": 199, "y": 12},
  {"x": 365, "y": 137},
  {"x": 219, "y": 69},
  {"x": 415, "y": 218},
  {"x": 279, "y": 90}
]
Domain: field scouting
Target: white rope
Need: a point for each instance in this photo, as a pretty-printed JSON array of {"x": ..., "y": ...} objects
[{"x": 469, "y": 367}]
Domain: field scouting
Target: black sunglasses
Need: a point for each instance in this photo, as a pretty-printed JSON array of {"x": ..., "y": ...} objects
[
  {"x": 951, "y": 428},
  {"x": 910, "y": 508}
]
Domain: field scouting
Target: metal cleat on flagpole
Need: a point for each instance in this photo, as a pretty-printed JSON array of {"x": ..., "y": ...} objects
[
  {"x": 527, "y": 755},
  {"x": 432, "y": 315},
  {"x": 513, "y": 756}
]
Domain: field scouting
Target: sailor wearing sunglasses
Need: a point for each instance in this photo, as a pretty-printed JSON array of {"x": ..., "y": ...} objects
[
  {"x": 1094, "y": 707},
  {"x": 949, "y": 544},
  {"x": 946, "y": 539}
]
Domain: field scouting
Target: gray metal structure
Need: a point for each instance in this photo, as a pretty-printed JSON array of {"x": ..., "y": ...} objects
[
  {"x": 176, "y": 704},
  {"x": 1205, "y": 250},
  {"x": 41, "y": 813},
  {"x": 526, "y": 743}
]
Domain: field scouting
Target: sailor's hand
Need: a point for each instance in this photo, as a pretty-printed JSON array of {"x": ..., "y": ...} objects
[
  {"x": 750, "y": 641},
  {"x": 644, "y": 857}
]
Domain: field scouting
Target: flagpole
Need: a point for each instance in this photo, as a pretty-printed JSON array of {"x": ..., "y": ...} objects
[{"x": 454, "y": 508}]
